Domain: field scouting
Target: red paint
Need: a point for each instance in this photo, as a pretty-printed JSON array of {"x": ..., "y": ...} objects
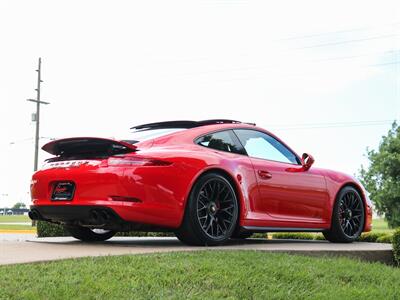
[{"x": 160, "y": 175}]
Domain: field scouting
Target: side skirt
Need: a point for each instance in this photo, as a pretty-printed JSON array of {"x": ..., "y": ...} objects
[{"x": 281, "y": 229}]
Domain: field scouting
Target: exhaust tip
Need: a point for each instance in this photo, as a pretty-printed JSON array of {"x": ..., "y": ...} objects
[
  {"x": 33, "y": 215},
  {"x": 94, "y": 215},
  {"x": 105, "y": 215}
]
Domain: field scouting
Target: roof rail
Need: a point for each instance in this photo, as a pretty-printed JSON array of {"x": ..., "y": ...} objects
[{"x": 183, "y": 124}]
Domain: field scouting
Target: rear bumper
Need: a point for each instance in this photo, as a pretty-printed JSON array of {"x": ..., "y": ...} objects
[
  {"x": 93, "y": 216},
  {"x": 140, "y": 195}
]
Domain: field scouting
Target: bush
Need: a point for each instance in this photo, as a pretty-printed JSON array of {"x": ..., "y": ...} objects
[
  {"x": 386, "y": 238},
  {"x": 259, "y": 235},
  {"x": 319, "y": 237},
  {"x": 293, "y": 236},
  {"x": 47, "y": 229},
  {"x": 396, "y": 246},
  {"x": 298, "y": 236},
  {"x": 371, "y": 237}
]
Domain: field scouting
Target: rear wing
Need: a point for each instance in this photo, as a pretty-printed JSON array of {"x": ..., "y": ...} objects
[{"x": 88, "y": 146}]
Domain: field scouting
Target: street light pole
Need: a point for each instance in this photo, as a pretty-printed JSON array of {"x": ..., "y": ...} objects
[{"x": 37, "y": 115}]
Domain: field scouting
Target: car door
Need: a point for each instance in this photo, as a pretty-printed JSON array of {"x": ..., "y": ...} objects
[{"x": 286, "y": 191}]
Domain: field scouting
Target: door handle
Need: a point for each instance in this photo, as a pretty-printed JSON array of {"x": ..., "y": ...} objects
[{"x": 264, "y": 174}]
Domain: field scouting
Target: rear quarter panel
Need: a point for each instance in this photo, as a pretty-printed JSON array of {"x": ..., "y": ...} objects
[{"x": 335, "y": 181}]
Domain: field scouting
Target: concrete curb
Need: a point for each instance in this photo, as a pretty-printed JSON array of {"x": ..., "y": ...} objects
[{"x": 47, "y": 249}]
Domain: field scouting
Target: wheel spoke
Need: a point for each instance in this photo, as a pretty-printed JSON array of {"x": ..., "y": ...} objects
[
  {"x": 216, "y": 208},
  {"x": 351, "y": 214}
]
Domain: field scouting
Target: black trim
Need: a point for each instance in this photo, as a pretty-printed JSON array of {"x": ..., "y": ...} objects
[{"x": 281, "y": 229}]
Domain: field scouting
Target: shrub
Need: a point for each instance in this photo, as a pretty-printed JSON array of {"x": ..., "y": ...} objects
[
  {"x": 386, "y": 238},
  {"x": 319, "y": 237},
  {"x": 260, "y": 235},
  {"x": 396, "y": 246},
  {"x": 293, "y": 236},
  {"x": 298, "y": 236},
  {"x": 47, "y": 229},
  {"x": 370, "y": 236}
]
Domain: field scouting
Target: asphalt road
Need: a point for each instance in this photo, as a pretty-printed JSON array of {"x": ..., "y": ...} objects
[{"x": 28, "y": 248}]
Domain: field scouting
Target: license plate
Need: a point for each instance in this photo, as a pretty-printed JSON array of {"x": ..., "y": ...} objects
[{"x": 63, "y": 191}]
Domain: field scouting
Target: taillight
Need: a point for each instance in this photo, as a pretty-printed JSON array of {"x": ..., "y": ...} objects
[{"x": 136, "y": 161}]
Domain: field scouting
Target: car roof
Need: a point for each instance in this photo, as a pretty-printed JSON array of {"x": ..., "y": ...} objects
[{"x": 185, "y": 124}]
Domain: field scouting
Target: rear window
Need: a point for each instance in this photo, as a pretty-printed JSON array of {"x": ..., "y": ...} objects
[{"x": 222, "y": 140}]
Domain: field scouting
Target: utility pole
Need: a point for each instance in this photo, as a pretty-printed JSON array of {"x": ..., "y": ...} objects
[{"x": 37, "y": 115}]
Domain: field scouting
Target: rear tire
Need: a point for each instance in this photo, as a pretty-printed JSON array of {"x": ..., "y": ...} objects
[
  {"x": 241, "y": 235},
  {"x": 348, "y": 217},
  {"x": 211, "y": 212},
  {"x": 89, "y": 235}
]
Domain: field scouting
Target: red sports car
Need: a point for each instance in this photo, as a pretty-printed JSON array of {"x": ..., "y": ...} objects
[{"x": 206, "y": 181}]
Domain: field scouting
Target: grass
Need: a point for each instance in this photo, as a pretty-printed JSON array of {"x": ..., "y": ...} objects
[
  {"x": 380, "y": 225},
  {"x": 201, "y": 275},
  {"x": 16, "y": 227},
  {"x": 16, "y": 218}
]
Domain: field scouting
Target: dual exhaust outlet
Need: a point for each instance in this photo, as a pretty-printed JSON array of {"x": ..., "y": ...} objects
[
  {"x": 96, "y": 216},
  {"x": 100, "y": 216}
]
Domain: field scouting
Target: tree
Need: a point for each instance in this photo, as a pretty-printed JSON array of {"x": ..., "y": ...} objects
[
  {"x": 19, "y": 205},
  {"x": 382, "y": 178}
]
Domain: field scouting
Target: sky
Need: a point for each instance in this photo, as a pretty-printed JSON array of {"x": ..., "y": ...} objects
[{"x": 323, "y": 76}]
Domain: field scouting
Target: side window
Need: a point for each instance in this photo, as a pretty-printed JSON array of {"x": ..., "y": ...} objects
[
  {"x": 261, "y": 145},
  {"x": 222, "y": 140}
]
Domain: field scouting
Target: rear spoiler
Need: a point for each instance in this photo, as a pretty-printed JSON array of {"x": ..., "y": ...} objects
[{"x": 88, "y": 145}]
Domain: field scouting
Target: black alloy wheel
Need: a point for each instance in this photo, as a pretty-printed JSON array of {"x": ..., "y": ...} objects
[
  {"x": 211, "y": 212},
  {"x": 348, "y": 217},
  {"x": 351, "y": 213}
]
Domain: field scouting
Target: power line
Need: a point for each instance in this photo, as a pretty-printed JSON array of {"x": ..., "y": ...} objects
[
  {"x": 331, "y": 125},
  {"x": 385, "y": 64},
  {"x": 313, "y": 35},
  {"x": 348, "y": 41}
]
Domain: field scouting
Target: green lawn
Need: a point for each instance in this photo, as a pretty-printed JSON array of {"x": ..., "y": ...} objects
[
  {"x": 18, "y": 218},
  {"x": 201, "y": 275},
  {"x": 380, "y": 225},
  {"x": 16, "y": 227}
]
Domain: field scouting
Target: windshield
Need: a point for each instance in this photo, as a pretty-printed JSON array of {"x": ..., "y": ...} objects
[{"x": 144, "y": 135}]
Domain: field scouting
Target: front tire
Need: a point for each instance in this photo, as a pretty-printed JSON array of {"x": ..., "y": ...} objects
[
  {"x": 348, "y": 217},
  {"x": 211, "y": 212},
  {"x": 90, "y": 235}
]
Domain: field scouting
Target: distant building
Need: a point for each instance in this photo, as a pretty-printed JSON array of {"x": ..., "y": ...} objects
[{"x": 13, "y": 211}]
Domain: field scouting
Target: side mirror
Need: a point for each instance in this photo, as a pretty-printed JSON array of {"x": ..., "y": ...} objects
[{"x": 307, "y": 161}]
